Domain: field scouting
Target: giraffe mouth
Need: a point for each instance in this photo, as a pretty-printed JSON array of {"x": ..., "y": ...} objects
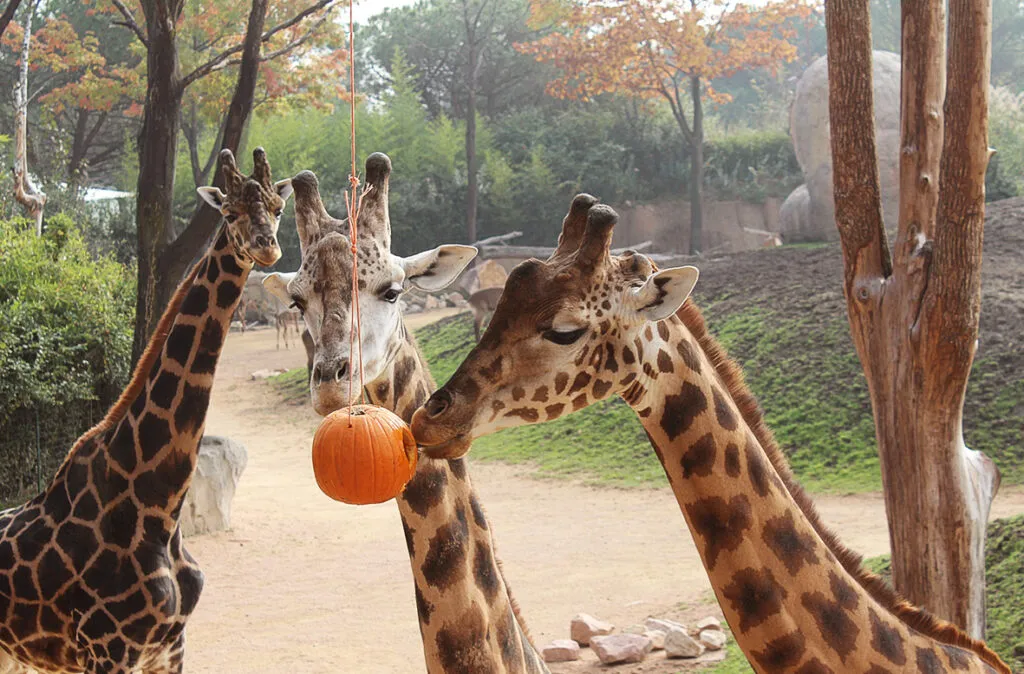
[{"x": 454, "y": 448}]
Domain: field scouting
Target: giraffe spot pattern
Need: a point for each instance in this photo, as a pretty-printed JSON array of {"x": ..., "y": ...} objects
[
  {"x": 601, "y": 388},
  {"x": 835, "y": 625},
  {"x": 426, "y": 489},
  {"x": 725, "y": 416},
  {"x": 511, "y": 654},
  {"x": 479, "y": 516},
  {"x": 579, "y": 383},
  {"x": 164, "y": 389},
  {"x": 720, "y": 524},
  {"x": 757, "y": 468},
  {"x": 462, "y": 645},
  {"x": 664, "y": 362},
  {"x": 230, "y": 265},
  {"x": 815, "y": 666},
  {"x": 191, "y": 413},
  {"x": 447, "y": 552},
  {"x": 958, "y": 658},
  {"x": 484, "y": 571},
  {"x": 540, "y": 395},
  {"x": 423, "y": 607},
  {"x": 554, "y": 411},
  {"x": 154, "y": 434},
  {"x": 210, "y": 344},
  {"x": 610, "y": 363},
  {"x": 699, "y": 458},
  {"x": 928, "y": 662},
  {"x": 178, "y": 346},
  {"x": 689, "y": 355},
  {"x": 794, "y": 549},
  {"x": 682, "y": 409},
  {"x": 458, "y": 468},
  {"x": 196, "y": 302},
  {"x": 527, "y": 414},
  {"x": 886, "y": 640},
  {"x": 755, "y": 596},
  {"x": 782, "y": 652},
  {"x": 627, "y": 356},
  {"x": 732, "y": 460},
  {"x": 561, "y": 381},
  {"x": 228, "y": 293}
]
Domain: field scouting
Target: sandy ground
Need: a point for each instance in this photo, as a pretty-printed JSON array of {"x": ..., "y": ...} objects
[{"x": 304, "y": 584}]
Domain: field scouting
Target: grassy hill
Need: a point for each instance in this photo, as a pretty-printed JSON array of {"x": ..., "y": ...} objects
[{"x": 781, "y": 314}]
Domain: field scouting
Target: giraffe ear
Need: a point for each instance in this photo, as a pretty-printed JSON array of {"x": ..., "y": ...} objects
[
  {"x": 212, "y": 196},
  {"x": 277, "y": 284},
  {"x": 284, "y": 188},
  {"x": 663, "y": 293},
  {"x": 438, "y": 268}
]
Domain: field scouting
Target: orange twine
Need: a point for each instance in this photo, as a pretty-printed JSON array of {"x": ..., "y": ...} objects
[{"x": 355, "y": 325}]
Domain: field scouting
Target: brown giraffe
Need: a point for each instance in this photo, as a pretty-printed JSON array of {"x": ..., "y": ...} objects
[
  {"x": 468, "y": 619},
  {"x": 585, "y": 325},
  {"x": 93, "y": 573}
]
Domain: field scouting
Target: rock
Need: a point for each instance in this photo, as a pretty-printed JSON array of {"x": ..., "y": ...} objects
[
  {"x": 207, "y": 505},
  {"x": 709, "y": 623},
  {"x": 585, "y": 626},
  {"x": 635, "y": 629},
  {"x": 712, "y": 639},
  {"x": 621, "y": 648},
  {"x": 266, "y": 374},
  {"x": 809, "y": 129},
  {"x": 679, "y": 644},
  {"x": 455, "y": 300},
  {"x": 663, "y": 625},
  {"x": 657, "y": 638},
  {"x": 432, "y": 302},
  {"x": 490, "y": 274},
  {"x": 561, "y": 650}
]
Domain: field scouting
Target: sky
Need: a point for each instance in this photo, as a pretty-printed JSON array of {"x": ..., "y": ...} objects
[{"x": 364, "y": 9}]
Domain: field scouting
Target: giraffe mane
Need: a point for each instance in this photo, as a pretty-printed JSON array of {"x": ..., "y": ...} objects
[
  {"x": 149, "y": 356},
  {"x": 913, "y": 616}
]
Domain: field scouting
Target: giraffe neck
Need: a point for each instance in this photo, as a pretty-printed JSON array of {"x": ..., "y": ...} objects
[
  {"x": 468, "y": 618},
  {"x": 145, "y": 450},
  {"x": 792, "y": 603}
]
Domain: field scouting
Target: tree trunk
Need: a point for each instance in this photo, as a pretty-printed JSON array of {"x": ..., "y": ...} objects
[
  {"x": 158, "y": 141},
  {"x": 472, "y": 187},
  {"x": 25, "y": 193},
  {"x": 914, "y": 315},
  {"x": 696, "y": 169},
  {"x": 205, "y": 218}
]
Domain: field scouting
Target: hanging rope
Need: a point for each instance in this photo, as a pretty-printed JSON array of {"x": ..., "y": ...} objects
[{"x": 352, "y": 208}]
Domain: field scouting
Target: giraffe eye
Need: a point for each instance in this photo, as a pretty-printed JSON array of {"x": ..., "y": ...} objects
[
  {"x": 391, "y": 295},
  {"x": 298, "y": 304},
  {"x": 563, "y": 338}
]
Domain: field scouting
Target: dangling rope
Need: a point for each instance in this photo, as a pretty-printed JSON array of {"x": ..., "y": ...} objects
[{"x": 352, "y": 208}]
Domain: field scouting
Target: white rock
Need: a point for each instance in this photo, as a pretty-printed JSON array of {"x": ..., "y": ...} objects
[
  {"x": 561, "y": 650},
  {"x": 709, "y": 623},
  {"x": 207, "y": 505},
  {"x": 266, "y": 374},
  {"x": 663, "y": 625},
  {"x": 657, "y": 638},
  {"x": 585, "y": 626},
  {"x": 621, "y": 648},
  {"x": 679, "y": 644},
  {"x": 635, "y": 629},
  {"x": 712, "y": 639},
  {"x": 456, "y": 300}
]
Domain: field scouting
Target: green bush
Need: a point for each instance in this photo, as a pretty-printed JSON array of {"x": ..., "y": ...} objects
[
  {"x": 751, "y": 166},
  {"x": 65, "y": 345}
]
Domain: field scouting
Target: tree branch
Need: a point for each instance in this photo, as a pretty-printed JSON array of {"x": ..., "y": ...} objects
[
  {"x": 217, "y": 62},
  {"x": 129, "y": 22},
  {"x": 858, "y": 202},
  {"x": 8, "y": 15},
  {"x": 270, "y": 56}
]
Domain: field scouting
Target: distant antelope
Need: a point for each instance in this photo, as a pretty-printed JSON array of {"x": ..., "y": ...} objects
[
  {"x": 483, "y": 303},
  {"x": 284, "y": 319}
]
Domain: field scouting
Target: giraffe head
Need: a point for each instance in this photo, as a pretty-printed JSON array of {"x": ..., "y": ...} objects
[
  {"x": 567, "y": 332},
  {"x": 251, "y": 207},
  {"x": 322, "y": 287}
]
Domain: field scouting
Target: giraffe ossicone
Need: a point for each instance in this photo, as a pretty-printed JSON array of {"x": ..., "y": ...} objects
[
  {"x": 94, "y": 576},
  {"x": 585, "y": 325},
  {"x": 469, "y": 621}
]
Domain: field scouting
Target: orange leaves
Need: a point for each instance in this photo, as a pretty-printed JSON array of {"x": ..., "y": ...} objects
[{"x": 646, "y": 47}]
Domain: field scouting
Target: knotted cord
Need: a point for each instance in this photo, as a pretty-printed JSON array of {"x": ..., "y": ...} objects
[{"x": 352, "y": 208}]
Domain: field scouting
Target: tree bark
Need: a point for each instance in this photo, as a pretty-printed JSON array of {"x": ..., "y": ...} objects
[
  {"x": 158, "y": 141},
  {"x": 473, "y": 63},
  {"x": 696, "y": 169},
  {"x": 914, "y": 315},
  {"x": 205, "y": 218},
  {"x": 25, "y": 193}
]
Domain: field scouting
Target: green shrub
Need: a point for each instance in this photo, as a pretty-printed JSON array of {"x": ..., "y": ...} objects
[
  {"x": 751, "y": 165},
  {"x": 65, "y": 345}
]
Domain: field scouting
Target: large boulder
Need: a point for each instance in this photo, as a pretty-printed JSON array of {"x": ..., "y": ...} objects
[
  {"x": 207, "y": 506},
  {"x": 812, "y": 218}
]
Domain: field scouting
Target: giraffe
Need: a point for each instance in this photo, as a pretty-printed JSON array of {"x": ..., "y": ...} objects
[
  {"x": 468, "y": 619},
  {"x": 584, "y": 325},
  {"x": 93, "y": 573}
]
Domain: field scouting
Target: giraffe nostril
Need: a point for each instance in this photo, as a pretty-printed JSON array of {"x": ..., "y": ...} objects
[
  {"x": 439, "y": 403},
  {"x": 341, "y": 371},
  {"x": 318, "y": 374},
  {"x": 261, "y": 242}
]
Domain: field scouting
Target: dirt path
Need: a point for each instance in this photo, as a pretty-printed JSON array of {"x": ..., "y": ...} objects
[{"x": 304, "y": 584}]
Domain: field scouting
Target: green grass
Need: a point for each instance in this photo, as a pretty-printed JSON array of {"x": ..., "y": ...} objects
[
  {"x": 735, "y": 662},
  {"x": 293, "y": 386},
  {"x": 1004, "y": 592}
]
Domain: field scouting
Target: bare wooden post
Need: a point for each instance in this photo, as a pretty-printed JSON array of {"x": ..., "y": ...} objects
[
  {"x": 914, "y": 314},
  {"x": 25, "y": 193}
]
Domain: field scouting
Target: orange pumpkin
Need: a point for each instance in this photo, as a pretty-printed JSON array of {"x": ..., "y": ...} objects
[{"x": 366, "y": 461}]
